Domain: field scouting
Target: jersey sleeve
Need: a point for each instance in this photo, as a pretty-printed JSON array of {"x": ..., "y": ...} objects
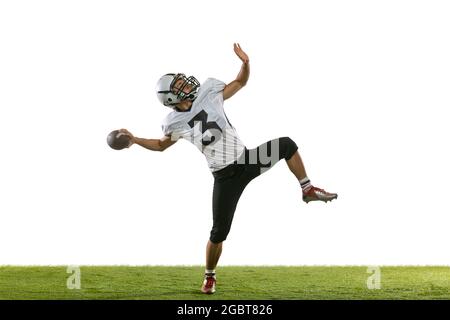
[
  {"x": 166, "y": 130},
  {"x": 216, "y": 85},
  {"x": 170, "y": 129}
]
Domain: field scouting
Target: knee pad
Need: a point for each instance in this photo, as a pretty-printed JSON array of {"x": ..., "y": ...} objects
[
  {"x": 287, "y": 147},
  {"x": 217, "y": 237}
]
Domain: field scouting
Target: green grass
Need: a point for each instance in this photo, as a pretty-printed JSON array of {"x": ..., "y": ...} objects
[{"x": 179, "y": 282}]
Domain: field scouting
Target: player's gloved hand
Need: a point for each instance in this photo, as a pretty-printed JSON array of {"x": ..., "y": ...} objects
[{"x": 128, "y": 133}]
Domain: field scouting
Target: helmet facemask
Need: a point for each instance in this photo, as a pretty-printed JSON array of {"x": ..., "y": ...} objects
[
  {"x": 191, "y": 81},
  {"x": 169, "y": 95}
]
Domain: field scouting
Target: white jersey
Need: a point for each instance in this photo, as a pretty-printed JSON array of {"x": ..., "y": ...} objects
[{"x": 207, "y": 126}]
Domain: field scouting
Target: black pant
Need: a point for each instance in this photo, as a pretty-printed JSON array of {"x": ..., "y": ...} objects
[{"x": 230, "y": 182}]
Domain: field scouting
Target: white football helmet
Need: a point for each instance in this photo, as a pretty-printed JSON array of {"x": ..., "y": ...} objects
[{"x": 169, "y": 95}]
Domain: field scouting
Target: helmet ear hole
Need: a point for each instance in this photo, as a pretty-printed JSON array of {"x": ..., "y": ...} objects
[{"x": 169, "y": 99}]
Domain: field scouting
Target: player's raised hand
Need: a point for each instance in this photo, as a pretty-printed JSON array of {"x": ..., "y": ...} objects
[{"x": 240, "y": 53}]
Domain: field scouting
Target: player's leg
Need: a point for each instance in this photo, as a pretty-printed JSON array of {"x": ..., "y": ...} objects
[
  {"x": 271, "y": 152},
  {"x": 289, "y": 150},
  {"x": 266, "y": 155},
  {"x": 296, "y": 166},
  {"x": 213, "y": 252},
  {"x": 226, "y": 195}
]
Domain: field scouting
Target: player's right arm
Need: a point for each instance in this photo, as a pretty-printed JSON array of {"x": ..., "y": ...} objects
[
  {"x": 151, "y": 144},
  {"x": 154, "y": 144}
]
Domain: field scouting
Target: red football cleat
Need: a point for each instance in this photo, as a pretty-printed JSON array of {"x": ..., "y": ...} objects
[
  {"x": 209, "y": 285},
  {"x": 317, "y": 194}
]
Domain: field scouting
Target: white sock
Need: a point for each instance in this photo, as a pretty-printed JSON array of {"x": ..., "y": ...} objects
[
  {"x": 210, "y": 272},
  {"x": 305, "y": 183}
]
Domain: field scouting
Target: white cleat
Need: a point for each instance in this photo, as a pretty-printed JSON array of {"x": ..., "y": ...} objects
[
  {"x": 317, "y": 194},
  {"x": 209, "y": 285}
]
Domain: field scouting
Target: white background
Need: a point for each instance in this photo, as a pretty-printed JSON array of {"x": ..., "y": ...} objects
[{"x": 361, "y": 86}]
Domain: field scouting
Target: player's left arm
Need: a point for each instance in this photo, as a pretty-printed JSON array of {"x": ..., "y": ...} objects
[{"x": 241, "y": 80}]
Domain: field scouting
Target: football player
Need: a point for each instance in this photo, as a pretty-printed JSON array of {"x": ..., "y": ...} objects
[{"x": 198, "y": 116}]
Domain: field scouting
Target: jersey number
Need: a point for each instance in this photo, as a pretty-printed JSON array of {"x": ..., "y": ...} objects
[{"x": 202, "y": 117}]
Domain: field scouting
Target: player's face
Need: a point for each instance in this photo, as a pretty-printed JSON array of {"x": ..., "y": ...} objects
[{"x": 179, "y": 86}]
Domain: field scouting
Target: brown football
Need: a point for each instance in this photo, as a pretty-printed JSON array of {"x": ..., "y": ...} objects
[{"x": 118, "y": 140}]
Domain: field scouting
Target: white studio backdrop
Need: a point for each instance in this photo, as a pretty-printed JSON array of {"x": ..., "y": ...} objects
[{"x": 361, "y": 86}]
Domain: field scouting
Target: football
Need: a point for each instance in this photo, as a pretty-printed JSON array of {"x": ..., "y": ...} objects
[{"x": 118, "y": 140}]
